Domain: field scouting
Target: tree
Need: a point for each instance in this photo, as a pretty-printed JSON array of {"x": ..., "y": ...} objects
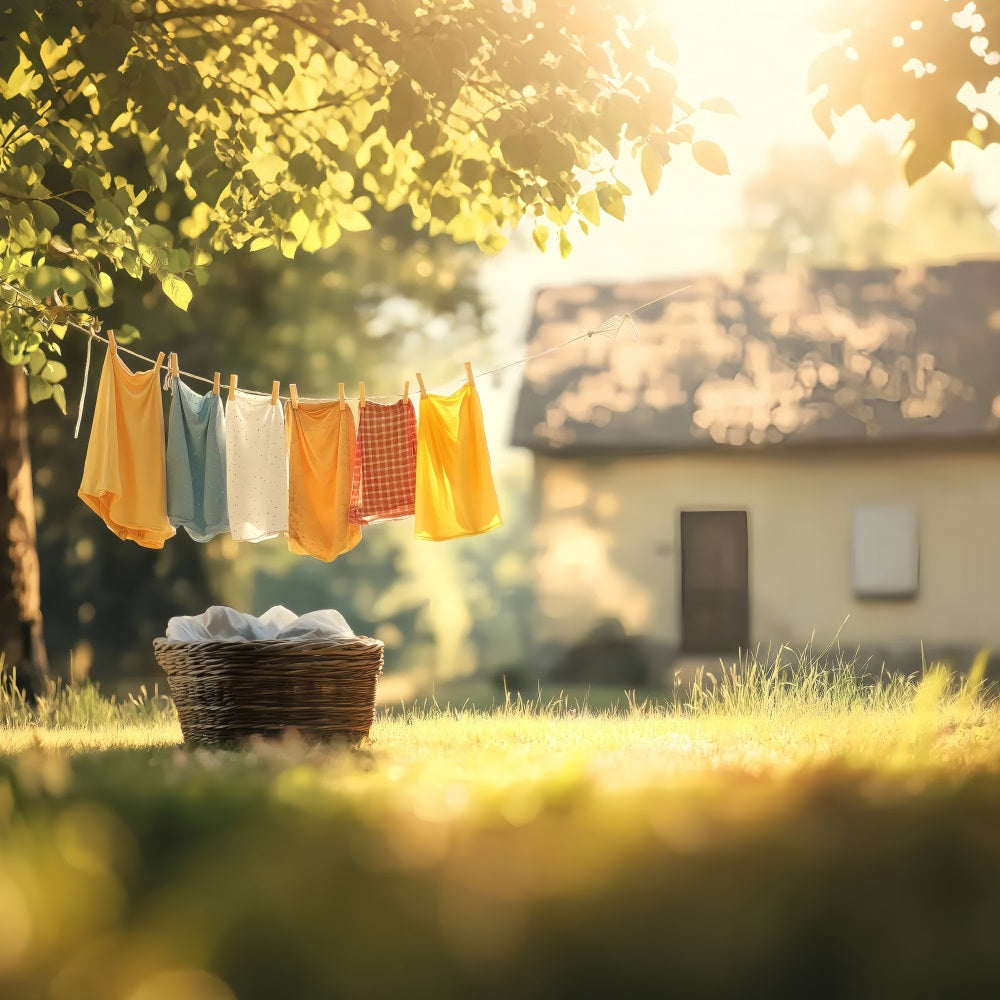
[
  {"x": 21, "y": 641},
  {"x": 933, "y": 62},
  {"x": 141, "y": 139},
  {"x": 807, "y": 208},
  {"x": 285, "y": 124}
]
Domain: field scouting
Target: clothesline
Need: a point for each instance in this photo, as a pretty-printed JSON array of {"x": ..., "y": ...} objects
[{"x": 609, "y": 328}]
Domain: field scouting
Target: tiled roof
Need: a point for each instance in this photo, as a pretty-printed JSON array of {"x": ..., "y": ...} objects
[{"x": 770, "y": 359}]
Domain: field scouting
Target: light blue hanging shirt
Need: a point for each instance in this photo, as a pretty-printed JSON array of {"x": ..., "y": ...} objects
[{"x": 196, "y": 463}]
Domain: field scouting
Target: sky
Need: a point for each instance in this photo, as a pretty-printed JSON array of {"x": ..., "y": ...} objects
[{"x": 755, "y": 54}]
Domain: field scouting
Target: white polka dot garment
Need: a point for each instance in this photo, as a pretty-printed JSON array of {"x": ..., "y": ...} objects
[{"x": 256, "y": 467}]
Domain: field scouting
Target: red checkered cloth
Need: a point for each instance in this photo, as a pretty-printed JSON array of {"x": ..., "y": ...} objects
[{"x": 385, "y": 463}]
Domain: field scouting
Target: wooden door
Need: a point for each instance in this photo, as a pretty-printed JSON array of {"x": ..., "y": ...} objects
[{"x": 715, "y": 590}]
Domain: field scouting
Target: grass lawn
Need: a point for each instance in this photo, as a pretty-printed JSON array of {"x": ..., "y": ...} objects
[{"x": 787, "y": 832}]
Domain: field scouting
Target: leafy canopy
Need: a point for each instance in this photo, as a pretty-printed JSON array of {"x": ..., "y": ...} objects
[
  {"x": 934, "y": 62},
  {"x": 145, "y": 137}
]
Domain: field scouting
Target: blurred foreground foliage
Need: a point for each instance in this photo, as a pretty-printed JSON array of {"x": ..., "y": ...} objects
[{"x": 789, "y": 835}]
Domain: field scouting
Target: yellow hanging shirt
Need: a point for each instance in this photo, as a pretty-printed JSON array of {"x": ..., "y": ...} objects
[
  {"x": 124, "y": 474},
  {"x": 455, "y": 492},
  {"x": 321, "y": 441}
]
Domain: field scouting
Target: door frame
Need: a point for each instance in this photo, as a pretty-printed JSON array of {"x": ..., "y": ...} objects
[{"x": 710, "y": 509}]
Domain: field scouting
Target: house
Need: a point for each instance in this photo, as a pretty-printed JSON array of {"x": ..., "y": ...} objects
[{"x": 774, "y": 458}]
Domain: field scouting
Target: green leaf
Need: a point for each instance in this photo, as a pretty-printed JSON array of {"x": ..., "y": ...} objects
[
  {"x": 521, "y": 150},
  {"x": 564, "y": 244},
  {"x": 472, "y": 172},
  {"x": 54, "y": 371},
  {"x": 36, "y": 362},
  {"x": 305, "y": 170},
  {"x": 652, "y": 168},
  {"x": 350, "y": 219},
  {"x": 105, "y": 289},
  {"x": 121, "y": 122},
  {"x": 710, "y": 156},
  {"x": 267, "y": 166},
  {"x": 540, "y": 235},
  {"x": 283, "y": 75},
  {"x": 407, "y": 109},
  {"x": 84, "y": 177},
  {"x": 611, "y": 201},
  {"x": 555, "y": 156},
  {"x": 177, "y": 290},
  {"x": 156, "y": 236},
  {"x": 924, "y": 157},
  {"x": 131, "y": 263},
  {"x": 823, "y": 116},
  {"x": 38, "y": 389},
  {"x": 719, "y": 105},
  {"x": 178, "y": 260},
  {"x": 589, "y": 207},
  {"x": 46, "y": 217},
  {"x": 59, "y": 396}
]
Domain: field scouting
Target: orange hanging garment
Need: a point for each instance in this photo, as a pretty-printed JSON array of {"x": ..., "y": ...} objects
[
  {"x": 455, "y": 492},
  {"x": 320, "y": 472},
  {"x": 124, "y": 474}
]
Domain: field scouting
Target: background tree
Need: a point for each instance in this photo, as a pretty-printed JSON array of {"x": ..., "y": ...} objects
[
  {"x": 143, "y": 139},
  {"x": 934, "y": 62},
  {"x": 807, "y": 208}
]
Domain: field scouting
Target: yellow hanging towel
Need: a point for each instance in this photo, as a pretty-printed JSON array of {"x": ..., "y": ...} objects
[
  {"x": 124, "y": 474},
  {"x": 455, "y": 492},
  {"x": 320, "y": 469}
]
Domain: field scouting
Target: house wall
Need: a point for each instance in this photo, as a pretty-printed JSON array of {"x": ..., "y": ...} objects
[{"x": 607, "y": 543}]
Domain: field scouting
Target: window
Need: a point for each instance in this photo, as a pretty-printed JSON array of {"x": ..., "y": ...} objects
[{"x": 884, "y": 559}]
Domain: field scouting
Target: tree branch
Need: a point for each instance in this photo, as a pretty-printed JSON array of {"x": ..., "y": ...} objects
[
  {"x": 277, "y": 13},
  {"x": 216, "y": 10}
]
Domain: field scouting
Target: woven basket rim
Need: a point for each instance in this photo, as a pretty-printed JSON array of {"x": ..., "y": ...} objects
[{"x": 247, "y": 644}]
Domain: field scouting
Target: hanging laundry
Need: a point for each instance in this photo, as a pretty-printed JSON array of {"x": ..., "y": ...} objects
[
  {"x": 321, "y": 442},
  {"x": 256, "y": 467},
  {"x": 385, "y": 463},
  {"x": 455, "y": 493},
  {"x": 124, "y": 479},
  {"x": 196, "y": 463}
]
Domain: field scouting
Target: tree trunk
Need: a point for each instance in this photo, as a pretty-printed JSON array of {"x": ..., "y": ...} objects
[{"x": 21, "y": 640}]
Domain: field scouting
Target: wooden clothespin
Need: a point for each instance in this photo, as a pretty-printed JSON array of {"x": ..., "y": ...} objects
[
  {"x": 423, "y": 388},
  {"x": 406, "y": 392},
  {"x": 175, "y": 371},
  {"x": 232, "y": 386},
  {"x": 274, "y": 393},
  {"x": 468, "y": 373},
  {"x": 293, "y": 389},
  {"x": 111, "y": 340},
  {"x": 215, "y": 383},
  {"x": 340, "y": 395},
  {"x": 361, "y": 395}
]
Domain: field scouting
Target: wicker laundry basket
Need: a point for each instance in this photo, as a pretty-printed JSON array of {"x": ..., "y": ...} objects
[{"x": 226, "y": 692}]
